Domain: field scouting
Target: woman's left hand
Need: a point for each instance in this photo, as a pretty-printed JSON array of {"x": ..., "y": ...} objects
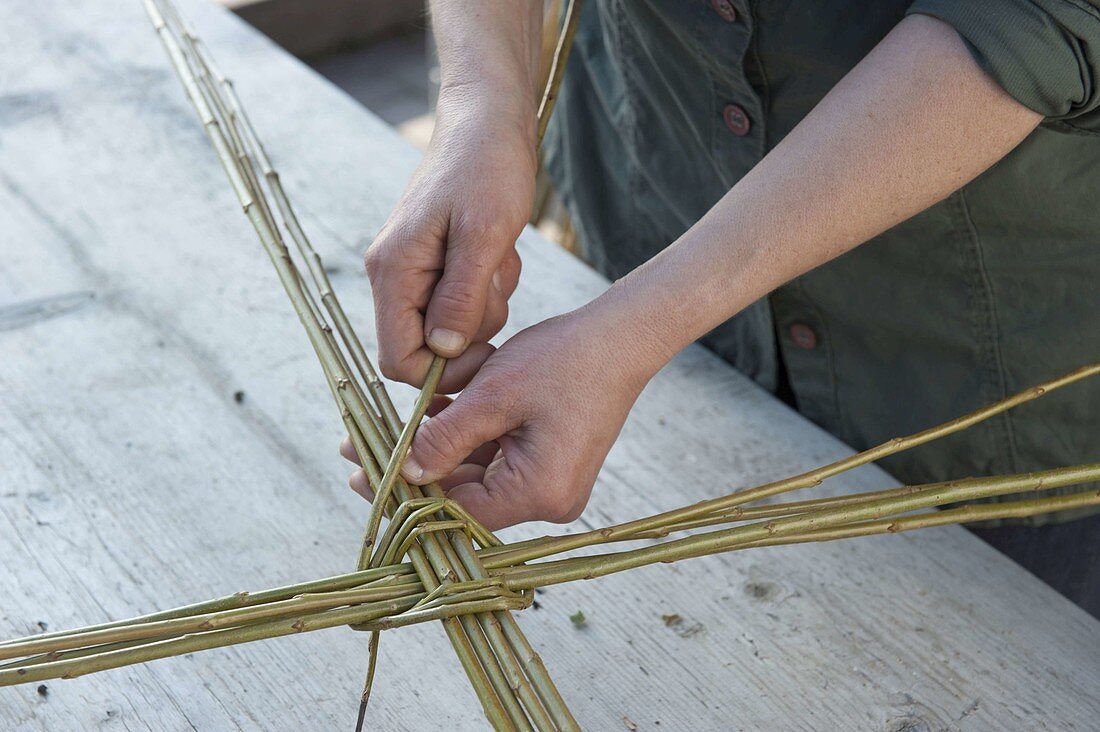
[{"x": 526, "y": 438}]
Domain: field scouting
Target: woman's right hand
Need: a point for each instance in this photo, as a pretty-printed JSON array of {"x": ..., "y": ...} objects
[{"x": 444, "y": 265}]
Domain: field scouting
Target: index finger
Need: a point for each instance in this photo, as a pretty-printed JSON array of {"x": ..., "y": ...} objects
[{"x": 400, "y": 296}]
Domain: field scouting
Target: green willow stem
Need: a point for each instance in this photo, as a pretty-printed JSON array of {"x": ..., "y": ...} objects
[
  {"x": 320, "y": 278},
  {"x": 947, "y": 516},
  {"x": 407, "y": 601},
  {"x": 387, "y": 615},
  {"x": 549, "y": 696},
  {"x": 934, "y": 494},
  {"x": 244, "y": 599},
  {"x": 557, "y": 66},
  {"x": 251, "y": 197},
  {"x": 397, "y": 457},
  {"x": 292, "y": 607}
]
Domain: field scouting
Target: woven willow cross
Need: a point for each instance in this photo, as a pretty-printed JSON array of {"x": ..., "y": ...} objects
[{"x": 434, "y": 561}]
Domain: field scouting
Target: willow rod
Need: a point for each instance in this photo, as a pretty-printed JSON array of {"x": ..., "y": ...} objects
[
  {"x": 481, "y": 666},
  {"x": 935, "y": 494},
  {"x": 393, "y": 599},
  {"x": 245, "y": 144}
]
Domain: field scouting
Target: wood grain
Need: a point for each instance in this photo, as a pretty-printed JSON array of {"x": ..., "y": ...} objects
[{"x": 131, "y": 479}]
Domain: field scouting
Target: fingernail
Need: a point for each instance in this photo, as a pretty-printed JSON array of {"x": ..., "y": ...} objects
[
  {"x": 496, "y": 282},
  {"x": 412, "y": 470},
  {"x": 360, "y": 485},
  {"x": 441, "y": 339}
]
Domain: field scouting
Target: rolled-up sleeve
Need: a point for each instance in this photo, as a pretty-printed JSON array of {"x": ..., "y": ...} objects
[{"x": 1044, "y": 53}]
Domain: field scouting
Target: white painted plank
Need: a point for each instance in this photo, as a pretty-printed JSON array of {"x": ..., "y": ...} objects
[{"x": 131, "y": 480}]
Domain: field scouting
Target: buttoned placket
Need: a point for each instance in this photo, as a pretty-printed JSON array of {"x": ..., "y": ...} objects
[{"x": 800, "y": 336}]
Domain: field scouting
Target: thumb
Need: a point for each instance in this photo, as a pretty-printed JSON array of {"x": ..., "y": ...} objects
[
  {"x": 457, "y": 305},
  {"x": 444, "y": 441}
]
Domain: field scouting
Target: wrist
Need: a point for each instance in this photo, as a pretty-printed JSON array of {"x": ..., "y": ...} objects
[
  {"x": 489, "y": 111},
  {"x": 621, "y": 326},
  {"x": 668, "y": 303}
]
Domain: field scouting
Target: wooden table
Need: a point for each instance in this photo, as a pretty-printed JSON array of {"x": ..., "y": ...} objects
[{"x": 165, "y": 436}]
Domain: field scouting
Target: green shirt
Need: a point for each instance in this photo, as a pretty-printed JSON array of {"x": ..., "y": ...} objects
[{"x": 667, "y": 103}]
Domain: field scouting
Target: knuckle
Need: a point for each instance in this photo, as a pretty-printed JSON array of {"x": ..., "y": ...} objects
[
  {"x": 458, "y": 298},
  {"x": 388, "y": 366},
  {"x": 484, "y": 229},
  {"x": 388, "y": 361},
  {"x": 556, "y": 507},
  {"x": 442, "y": 438},
  {"x": 571, "y": 515},
  {"x": 374, "y": 260},
  {"x": 394, "y": 368}
]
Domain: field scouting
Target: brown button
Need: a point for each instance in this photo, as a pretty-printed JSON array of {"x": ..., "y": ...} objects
[
  {"x": 725, "y": 10},
  {"x": 736, "y": 120},
  {"x": 803, "y": 336}
]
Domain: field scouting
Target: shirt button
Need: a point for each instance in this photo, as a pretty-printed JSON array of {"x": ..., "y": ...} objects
[
  {"x": 803, "y": 336},
  {"x": 736, "y": 120},
  {"x": 725, "y": 10}
]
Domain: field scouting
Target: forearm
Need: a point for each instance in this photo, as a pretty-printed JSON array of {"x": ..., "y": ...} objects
[
  {"x": 488, "y": 54},
  {"x": 913, "y": 122}
]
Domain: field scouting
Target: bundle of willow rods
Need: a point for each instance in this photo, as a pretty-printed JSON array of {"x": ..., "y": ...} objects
[{"x": 436, "y": 562}]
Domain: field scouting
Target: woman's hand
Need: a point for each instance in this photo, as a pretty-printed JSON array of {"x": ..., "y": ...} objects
[
  {"x": 525, "y": 440},
  {"x": 444, "y": 265}
]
